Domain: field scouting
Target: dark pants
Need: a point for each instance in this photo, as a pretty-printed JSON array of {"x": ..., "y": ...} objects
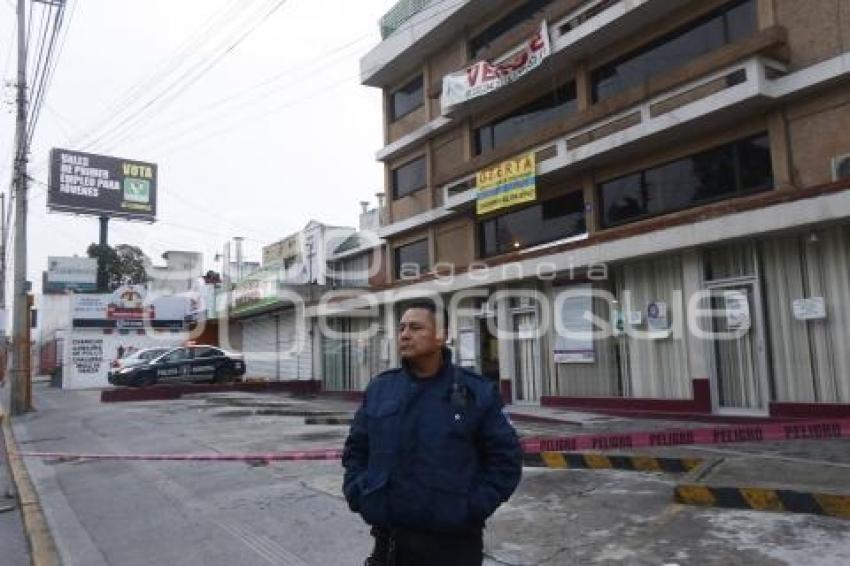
[{"x": 403, "y": 547}]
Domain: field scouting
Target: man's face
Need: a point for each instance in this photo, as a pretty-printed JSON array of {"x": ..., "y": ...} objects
[{"x": 418, "y": 336}]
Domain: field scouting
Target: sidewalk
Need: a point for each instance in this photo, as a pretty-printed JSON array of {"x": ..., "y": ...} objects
[{"x": 12, "y": 539}]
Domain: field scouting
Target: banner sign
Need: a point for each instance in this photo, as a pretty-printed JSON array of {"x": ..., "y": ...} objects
[
  {"x": 506, "y": 184},
  {"x": 483, "y": 77},
  {"x": 127, "y": 307},
  {"x": 84, "y": 183},
  {"x": 70, "y": 273}
]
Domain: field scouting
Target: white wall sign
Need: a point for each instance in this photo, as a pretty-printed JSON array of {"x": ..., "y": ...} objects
[
  {"x": 656, "y": 316},
  {"x": 813, "y": 308},
  {"x": 575, "y": 345},
  {"x": 737, "y": 310}
]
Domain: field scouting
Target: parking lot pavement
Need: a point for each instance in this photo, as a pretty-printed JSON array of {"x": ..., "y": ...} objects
[{"x": 127, "y": 513}]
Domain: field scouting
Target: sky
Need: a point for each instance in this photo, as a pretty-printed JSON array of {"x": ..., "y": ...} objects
[{"x": 253, "y": 142}]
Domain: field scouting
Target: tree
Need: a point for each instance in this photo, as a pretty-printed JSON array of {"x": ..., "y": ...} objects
[{"x": 123, "y": 264}]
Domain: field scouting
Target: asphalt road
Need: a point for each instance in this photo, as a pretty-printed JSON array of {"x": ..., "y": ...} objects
[{"x": 128, "y": 513}]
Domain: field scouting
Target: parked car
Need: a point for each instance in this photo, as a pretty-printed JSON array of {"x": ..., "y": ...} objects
[
  {"x": 183, "y": 364},
  {"x": 136, "y": 358}
]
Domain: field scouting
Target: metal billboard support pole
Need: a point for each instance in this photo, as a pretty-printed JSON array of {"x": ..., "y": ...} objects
[
  {"x": 102, "y": 276},
  {"x": 20, "y": 318}
]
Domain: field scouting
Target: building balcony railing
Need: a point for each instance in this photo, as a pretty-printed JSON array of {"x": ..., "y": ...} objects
[{"x": 400, "y": 14}]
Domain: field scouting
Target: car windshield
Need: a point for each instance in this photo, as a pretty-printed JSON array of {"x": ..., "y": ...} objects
[{"x": 142, "y": 356}]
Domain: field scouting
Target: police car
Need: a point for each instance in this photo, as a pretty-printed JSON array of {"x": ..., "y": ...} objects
[{"x": 188, "y": 363}]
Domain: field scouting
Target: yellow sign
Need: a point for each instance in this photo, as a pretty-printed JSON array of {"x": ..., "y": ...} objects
[{"x": 506, "y": 184}]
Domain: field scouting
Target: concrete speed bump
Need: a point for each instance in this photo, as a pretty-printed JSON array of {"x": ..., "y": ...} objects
[
  {"x": 765, "y": 499},
  {"x": 768, "y": 485},
  {"x": 595, "y": 461}
]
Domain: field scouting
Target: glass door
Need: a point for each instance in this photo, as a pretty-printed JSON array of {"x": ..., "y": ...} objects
[
  {"x": 528, "y": 367},
  {"x": 740, "y": 377}
]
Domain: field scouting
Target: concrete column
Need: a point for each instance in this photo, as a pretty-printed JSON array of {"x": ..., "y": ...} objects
[
  {"x": 699, "y": 364},
  {"x": 583, "y": 87},
  {"x": 780, "y": 151}
]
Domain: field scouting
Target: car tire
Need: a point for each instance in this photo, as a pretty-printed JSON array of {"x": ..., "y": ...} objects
[{"x": 223, "y": 375}]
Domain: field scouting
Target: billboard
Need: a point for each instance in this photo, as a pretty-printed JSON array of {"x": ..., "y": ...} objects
[
  {"x": 84, "y": 183},
  {"x": 506, "y": 184},
  {"x": 70, "y": 274},
  {"x": 128, "y": 308}
]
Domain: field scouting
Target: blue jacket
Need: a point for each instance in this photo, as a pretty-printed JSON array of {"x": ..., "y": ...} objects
[{"x": 428, "y": 454}]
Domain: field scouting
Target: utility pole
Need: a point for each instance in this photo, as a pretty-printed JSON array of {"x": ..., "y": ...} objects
[{"x": 20, "y": 304}]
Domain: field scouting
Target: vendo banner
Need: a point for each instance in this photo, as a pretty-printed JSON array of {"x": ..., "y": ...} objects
[{"x": 484, "y": 77}]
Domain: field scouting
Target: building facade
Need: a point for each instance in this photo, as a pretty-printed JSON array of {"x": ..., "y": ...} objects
[{"x": 682, "y": 243}]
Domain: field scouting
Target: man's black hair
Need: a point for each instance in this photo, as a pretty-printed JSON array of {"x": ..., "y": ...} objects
[{"x": 431, "y": 306}]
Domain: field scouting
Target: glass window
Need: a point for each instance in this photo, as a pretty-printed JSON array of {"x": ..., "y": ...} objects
[
  {"x": 406, "y": 99},
  {"x": 409, "y": 178},
  {"x": 411, "y": 260},
  {"x": 730, "y": 23},
  {"x": 205, "y": 352},
  {"x": 503, "y": 25},
  {"x": 177, "y": 355},
  {"x": 555, "y": 219},
  {"x": 532, "y": 116},
  {"x": 735, "y": 169}
]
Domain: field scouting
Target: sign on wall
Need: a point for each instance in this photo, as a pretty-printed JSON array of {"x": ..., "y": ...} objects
[
  {"x": 128, "y": 307},
  {"x": 574, "y": 339},
  {"x": 84, "y": 183},
  {"x": 484, "y": 77},
  {"x": 506, "y": 184},
  {"x": 70, "y": 273}
]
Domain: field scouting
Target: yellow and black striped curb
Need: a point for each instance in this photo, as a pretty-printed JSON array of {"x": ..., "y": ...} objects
[
  {"x": 593, "y": 461},
  {"x": 328, "y": 421},
  {"x": 765, "y": 499}
]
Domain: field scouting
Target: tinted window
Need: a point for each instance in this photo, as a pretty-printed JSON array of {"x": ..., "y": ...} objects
[
  {"x": 503, "y": 25},
  {"x": 406, "y": 99},
  {"x": 205, "y": 353},
  {"x": 176, "y": 356},
  {"x": 730, "y": 23},
  {"x": 411, "y": 260},
  {"x": 409, "y": 178},
  {"x": 552, "y": 220},
  {"x": 730, "y": 170},
  {"x": 530, "y": 117},
  {"x": 151, "y": 354}
]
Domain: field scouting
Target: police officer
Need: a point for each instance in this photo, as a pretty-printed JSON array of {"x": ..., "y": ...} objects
[{"x": 430, "y": 455}]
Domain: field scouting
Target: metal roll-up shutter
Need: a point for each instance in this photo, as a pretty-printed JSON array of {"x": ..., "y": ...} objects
[{"x": 259, "y": 345}]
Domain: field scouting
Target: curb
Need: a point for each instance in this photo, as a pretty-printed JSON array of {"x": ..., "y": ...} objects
[
  {"x": 340, "y": 421},
  {"x": 42, "y": 546},
  {"x": 765, "y": 499},
  {"x": 593, "y": 461}
]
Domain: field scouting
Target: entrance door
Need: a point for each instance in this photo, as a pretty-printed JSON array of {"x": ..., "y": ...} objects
[
  {"x": 740, "y": 376},
  {"x": 528, "y": 366},
  {"x": 488, "y": 347}
]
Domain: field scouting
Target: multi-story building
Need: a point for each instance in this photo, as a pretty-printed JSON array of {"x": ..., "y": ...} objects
[{"x": 669, "y": 156}]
